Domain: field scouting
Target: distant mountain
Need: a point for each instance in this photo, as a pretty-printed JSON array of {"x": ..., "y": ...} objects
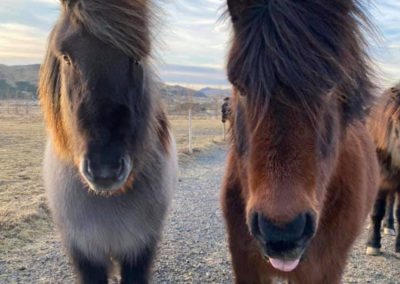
[
  {"x": 181, "y": 92},
  {"x": 25, "y": 73},
  {"x": 178, "y": 92},
  {"x": 216, "y": 92},
  {"x": 22, "y": 81},
  {"x": 19, "y": 82}
]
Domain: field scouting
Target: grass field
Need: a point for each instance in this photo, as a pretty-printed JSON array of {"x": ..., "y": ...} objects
[{"x": 23, "y": 210}]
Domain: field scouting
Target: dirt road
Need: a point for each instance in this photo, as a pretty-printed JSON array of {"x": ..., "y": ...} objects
[{"x": 194, "y": 248}]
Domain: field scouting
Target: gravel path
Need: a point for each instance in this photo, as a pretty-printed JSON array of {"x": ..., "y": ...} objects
[{"x": 194, "y": 248}]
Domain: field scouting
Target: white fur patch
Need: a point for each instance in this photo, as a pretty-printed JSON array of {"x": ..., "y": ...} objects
[{"x": 118, "y": 225}]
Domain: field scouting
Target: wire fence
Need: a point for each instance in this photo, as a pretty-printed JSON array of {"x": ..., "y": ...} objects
[{"x": 19, "y": 108}]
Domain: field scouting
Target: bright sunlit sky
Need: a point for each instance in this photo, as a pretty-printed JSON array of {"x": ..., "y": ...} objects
[{"x": 194, "y": 42}]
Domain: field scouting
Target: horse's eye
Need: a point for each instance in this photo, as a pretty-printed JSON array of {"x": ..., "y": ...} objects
[
  {"x": 134, "y": 61},
  {"x": 241, "y": 89},
  {"x": 66, "y": 59}
]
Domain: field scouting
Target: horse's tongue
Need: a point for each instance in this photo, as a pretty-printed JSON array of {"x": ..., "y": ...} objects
[{"x": 284, "y": 265}]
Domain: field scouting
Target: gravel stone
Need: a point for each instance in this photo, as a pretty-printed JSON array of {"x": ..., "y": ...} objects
[{"x": 193, "y": 249}]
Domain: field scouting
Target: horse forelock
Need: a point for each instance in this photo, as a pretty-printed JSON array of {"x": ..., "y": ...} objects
[
  {"x": 297, "y": 52},
  {"x": 124, "y": 24}
]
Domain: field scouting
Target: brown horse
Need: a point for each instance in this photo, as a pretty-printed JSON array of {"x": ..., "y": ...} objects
[
  {"x": 110, "y": 165},
  {"x": 302, "y": 174},
  {"x": 384, "y": 125}
]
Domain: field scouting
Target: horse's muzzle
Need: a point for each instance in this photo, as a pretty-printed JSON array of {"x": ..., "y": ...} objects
[
  {"x": 106, "y": 177},
  {"x": 285, "y": 244}
]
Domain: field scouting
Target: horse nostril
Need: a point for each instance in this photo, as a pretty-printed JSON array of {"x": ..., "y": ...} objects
[
  {"x": 87, "y": 171},
  {"x": 255, "y": 228},
  {"x": 121, "y": 168},
  {"x": 310, "y": 225}
]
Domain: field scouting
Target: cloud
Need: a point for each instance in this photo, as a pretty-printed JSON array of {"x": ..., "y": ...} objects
[
  {"x": 386, "y": 50},
  {"x": 51, "y": 2},
  {"x": 24, "y": 28},
  {"x": 192, "y": 75},
  {"x": 193, "y": 42},
  {"x": 21, "y": 44},
  {"x": 192, "y": 35}
]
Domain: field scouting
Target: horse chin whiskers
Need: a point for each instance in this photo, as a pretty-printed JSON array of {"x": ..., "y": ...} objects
[
  {"x": 298, "y": 253},
  {"x": 266, "y": 258},
  {"x": 102, "y": 193},
  {"x": 108, "y": 192}
]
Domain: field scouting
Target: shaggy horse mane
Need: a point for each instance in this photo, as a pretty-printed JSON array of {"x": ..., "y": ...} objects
[
  {"x": 299, "y": 52},
  {"x": 384, "y": 116},
  {"x": 49, "y": 95},
  {"x": 123, "y": 24}
]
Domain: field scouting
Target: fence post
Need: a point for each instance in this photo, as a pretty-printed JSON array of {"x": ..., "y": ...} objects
[
  {"x": 190, "y": 130},
  {"x": 216, "y": 107},
  {"x": 190, "y": 120},
  {"x": 224, "y": 134}
]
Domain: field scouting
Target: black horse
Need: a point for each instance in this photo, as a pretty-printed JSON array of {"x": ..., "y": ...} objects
[{"x": 110, "y": 165}]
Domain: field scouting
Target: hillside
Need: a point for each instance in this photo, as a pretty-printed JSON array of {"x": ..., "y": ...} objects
[
  {"x": 216, "y": 92},
  {"x": 26, "y": 73},
  {"x": 20, "y": 82},
  {"x": 179, "y": 92}
]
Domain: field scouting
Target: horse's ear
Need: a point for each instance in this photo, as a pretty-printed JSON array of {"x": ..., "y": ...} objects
[
  {"x": 235, "y": 7},
  {"x": 395, "y": 93},
  {"x": 68, "y": 3}
]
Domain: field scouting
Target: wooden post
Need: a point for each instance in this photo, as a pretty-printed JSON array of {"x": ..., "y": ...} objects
[
  {"x": 166, "y": 100},
  {"x": 216, "y": 107},
  {"x": 224, "y": 131},
  {"x": 190, "y": 121},
  {"x": 190, "y": 130}
]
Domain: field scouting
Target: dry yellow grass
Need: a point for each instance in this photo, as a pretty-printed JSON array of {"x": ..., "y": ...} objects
[
  {"x": 23, "y": 211},
  {"x": 206, "y": 132}
]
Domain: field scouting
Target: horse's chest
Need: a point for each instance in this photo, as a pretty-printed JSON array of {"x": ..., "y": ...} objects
[
  {"x": 100, "y": 228},
  {"x": 108, "y": 228}
]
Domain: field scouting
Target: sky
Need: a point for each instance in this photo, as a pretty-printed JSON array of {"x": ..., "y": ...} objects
[{"x": 192, "y": 41}]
